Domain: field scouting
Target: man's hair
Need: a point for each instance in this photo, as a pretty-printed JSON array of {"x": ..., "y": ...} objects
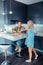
[{"x": 19, "y": 21}]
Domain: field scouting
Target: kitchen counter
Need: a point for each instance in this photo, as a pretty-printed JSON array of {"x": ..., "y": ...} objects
[
  {"x": 11, "y": 36},
  {"x": 40, "y": 34},
  {"x": 14, "y": 37}
]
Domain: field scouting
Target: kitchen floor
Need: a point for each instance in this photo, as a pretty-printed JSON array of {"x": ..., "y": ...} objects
[{"x": 15, "y": 60}]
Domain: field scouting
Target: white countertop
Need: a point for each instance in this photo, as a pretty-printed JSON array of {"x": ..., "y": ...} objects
[
  {"x": 40, "y": 34},
  {"x": 14, "y": 37}
]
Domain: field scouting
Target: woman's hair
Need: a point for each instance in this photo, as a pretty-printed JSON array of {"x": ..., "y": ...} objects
[{"x": 31, "y": 21}]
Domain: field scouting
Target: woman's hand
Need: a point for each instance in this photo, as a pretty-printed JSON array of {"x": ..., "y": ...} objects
[{"x": 18, "y": 32}]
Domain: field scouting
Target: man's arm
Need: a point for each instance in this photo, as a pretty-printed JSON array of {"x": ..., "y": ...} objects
[{"x": 14, "y": 30}]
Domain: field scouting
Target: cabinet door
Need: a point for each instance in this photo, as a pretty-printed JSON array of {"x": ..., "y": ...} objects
[{"x": 38, "y": 43}]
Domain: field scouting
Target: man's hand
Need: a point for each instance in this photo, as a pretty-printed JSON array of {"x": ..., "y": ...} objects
[{"x": 14, "y": 31}]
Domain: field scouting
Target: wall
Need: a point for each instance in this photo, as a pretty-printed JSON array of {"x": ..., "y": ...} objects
[
  {"x": 19, "y": 11},
  {"x": 1, "y": 19},
  {"x": 1, "y": 16},
  {"x": 35, "y": 12},
  {"x": 24, "y": 12}
]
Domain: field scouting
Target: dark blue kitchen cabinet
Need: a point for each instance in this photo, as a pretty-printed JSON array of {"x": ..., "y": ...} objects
[{"x": 38, "y": 43}]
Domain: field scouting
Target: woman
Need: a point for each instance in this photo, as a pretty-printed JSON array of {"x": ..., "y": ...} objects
[{"x": 30, "y": 41}]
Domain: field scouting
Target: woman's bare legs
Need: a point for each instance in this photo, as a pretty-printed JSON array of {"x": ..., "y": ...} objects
[
  {"x": 16, "y": 48},
  {"x": 34, "y": 52},
  {"x": 36, "y": 55},
  {"x": 30, "y": 49},
  {"x": 30, "y": 54}
]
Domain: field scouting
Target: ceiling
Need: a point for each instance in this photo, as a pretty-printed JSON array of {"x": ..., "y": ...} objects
[{"x": 29, "y": 1}]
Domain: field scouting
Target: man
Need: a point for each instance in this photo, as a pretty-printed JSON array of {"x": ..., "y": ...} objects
[{"x": 18, "y": 30}]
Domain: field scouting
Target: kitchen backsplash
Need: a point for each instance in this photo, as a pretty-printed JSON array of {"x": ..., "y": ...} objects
[{"x": 37, "y": 27}]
